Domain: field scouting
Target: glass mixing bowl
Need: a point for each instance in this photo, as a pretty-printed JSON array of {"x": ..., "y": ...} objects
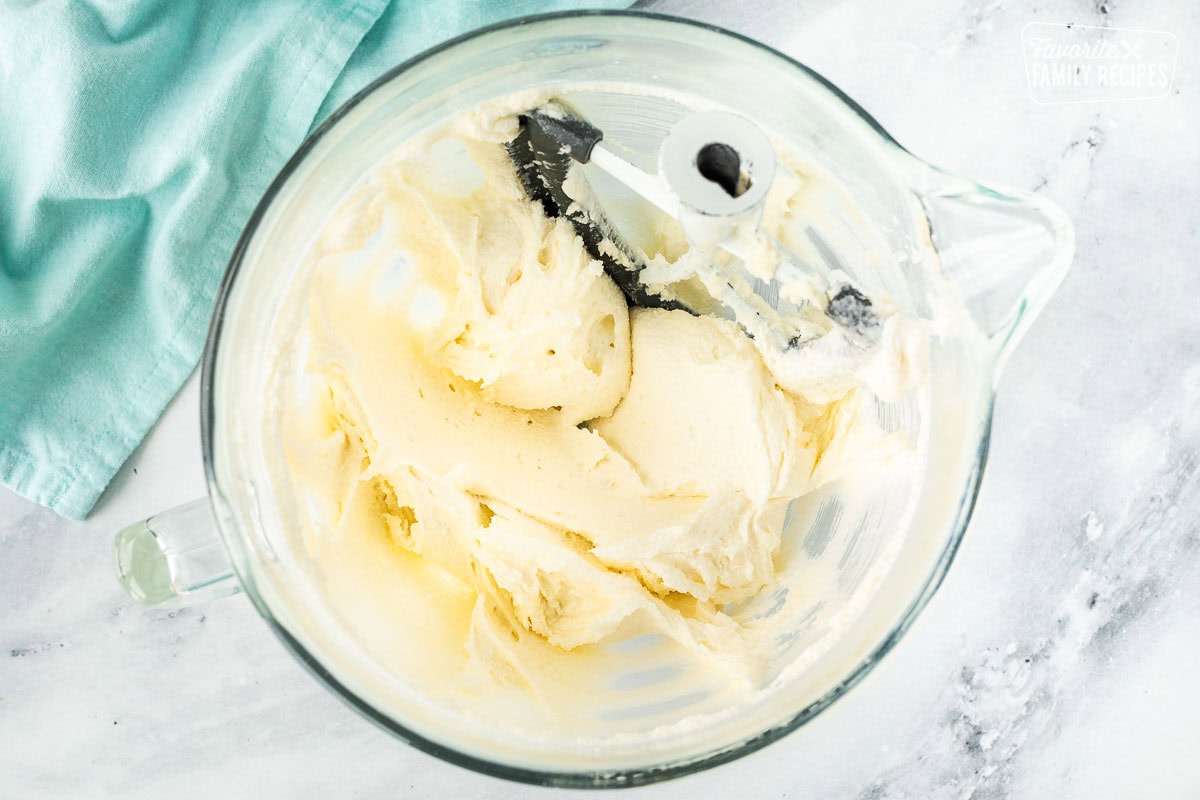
[{"x": 927, "y": 239}]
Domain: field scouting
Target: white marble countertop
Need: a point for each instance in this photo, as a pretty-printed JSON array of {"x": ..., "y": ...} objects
[{"x": 1057, "y": 660}]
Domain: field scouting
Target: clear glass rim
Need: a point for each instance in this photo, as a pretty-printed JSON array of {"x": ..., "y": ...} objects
[{"x": 567, "y": 779}]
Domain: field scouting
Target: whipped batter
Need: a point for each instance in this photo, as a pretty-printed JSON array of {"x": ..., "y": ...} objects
[{"x": 516, "y": 470}]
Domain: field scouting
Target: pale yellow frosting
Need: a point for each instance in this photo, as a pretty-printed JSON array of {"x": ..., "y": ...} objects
[{"x": 480, "y": 413}]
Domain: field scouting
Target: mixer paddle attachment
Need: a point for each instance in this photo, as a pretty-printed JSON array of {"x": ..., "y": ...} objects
[{"x": 715, "y": 171}]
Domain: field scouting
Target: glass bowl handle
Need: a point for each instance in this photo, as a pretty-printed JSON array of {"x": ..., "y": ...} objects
[
  {"x": 175, "y": 558},
  {"x": 1003, "y": 251}
]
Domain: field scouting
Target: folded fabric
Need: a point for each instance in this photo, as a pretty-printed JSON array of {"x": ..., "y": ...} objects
[{"x": 135, "y": 140}]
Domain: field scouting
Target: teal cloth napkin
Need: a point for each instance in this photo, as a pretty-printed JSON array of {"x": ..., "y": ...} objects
[{"x": 135, "y": 139}]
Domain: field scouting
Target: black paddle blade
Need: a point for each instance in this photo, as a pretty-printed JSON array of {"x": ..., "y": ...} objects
[{"x": 543, "y": 153}]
